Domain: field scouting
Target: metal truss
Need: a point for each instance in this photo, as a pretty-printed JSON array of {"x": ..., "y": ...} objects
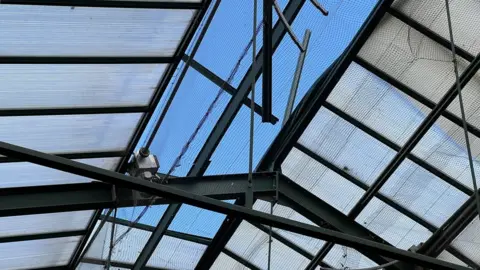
[{"x": 178, "y": 195}]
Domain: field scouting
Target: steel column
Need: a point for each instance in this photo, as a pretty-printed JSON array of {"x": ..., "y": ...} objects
[{"x": 267, "y": 61}]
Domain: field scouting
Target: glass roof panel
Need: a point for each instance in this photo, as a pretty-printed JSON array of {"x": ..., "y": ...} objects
[
  {"x": 151, "y": 217},
  {"x": 125, "y": 251},
  {"x": 88, "y": 31},
  {"x": 423, "y": 193},
  {"x": 197, "y": 221},
  {"x": 377, "y": 104},
  {"x": 70, "y": 133},
  {"x": 391, "y": 225},
  {"x": 346, "y": 146},
  {"x": 347, "y": 258},
  {"x": 321, "y": 181},
  {"x": 67, "y": 86},
  {"x": 37, "y": 253},
  {"x": 21, "y": 174},
  {"x": 433, "y": 15},
  {"x": 444, "y": 147},
  {"x": 447, "y": 256},
  {"x": 224, "y": 261},
  {"x": 251, "y": 244},
  {"x": 44, "y": 223},
  {"x": 311, "y": 245},
  {"x": 468, "y": 241},
  {"x": 190, "y": 105},
  {"x": 411, "y": 58},
  {"x": 174, "y": 253}
]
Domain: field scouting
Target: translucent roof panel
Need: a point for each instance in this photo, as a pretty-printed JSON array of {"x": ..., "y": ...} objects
[
  {"x": 347, "y": 258},
  {"x": 44, "y": 223},
  {"x": 21, "y": 174},
  {"x": 346, "y": 146},
  {"x": 423, "y": 193},
  {"x": 67, "y": 86},
  {"x": 471, "y": 102},
  {"x": 87, "y": 31},
  {"x": 468, "y": 241},
  {"x": 197, "y": 221},
  {"x": 88, "y": 266},
  {"x": 391, "y": 225},
  {"x": 433, "y": 15},
  {"x": 224, "y": 261},
  {"x": 70, "y": 133},
  {"x": 37, "y": 253},
  {"x": 251, "y": 244},
  {"x": 447, "y": 256},
  {"x": 125, "y": 251},
  {"x": 174, "y": 253},
  {"x": 444, "y": 147},
  {"x": 411, "y": 58},
  {"x": 311, "y": 245},
  {"x": 377, "y": 104},
  {"x": 151, "y": 217},
  {"x": 321, "y": 181}
]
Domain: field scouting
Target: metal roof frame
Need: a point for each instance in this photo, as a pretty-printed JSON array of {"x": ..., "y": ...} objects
[{"x": 282, "y": 145}]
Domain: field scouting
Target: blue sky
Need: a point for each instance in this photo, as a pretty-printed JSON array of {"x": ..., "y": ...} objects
[{"x": 225, "y": 40}]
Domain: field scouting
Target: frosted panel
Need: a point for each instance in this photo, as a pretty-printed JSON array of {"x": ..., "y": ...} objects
[
  {"x": 447, "y": 256},
  {"x": 347, "y": 147},
  {"x": 311, "y": 245},
  {"x": 471, "y": 102},
  {"x": 70, "y": 133},
  {"x": 66, "y": 86},
  {"x": 468, "y": 242},
  {"x": 377, "y": 104},
  {"x": 88, "y": 266},
  {"x": 21, "y": 174},
  {"x": 44, "y": 223},
  {"x": 251, "y": 244},
  {"x": 321, "y": 181},
  {"x": 224, "y": 261},
  {"x": 411, "y": 58},
  {"x": 37, "y": 253},
  {"x": 173, "y": 253},
  {"x": 66, "y": 31},
  {"x": 125, "y": 251},
  {"x": 347, "y": 258},
  {"x": 391, "y": 225},
  {"x": 432, "y": 14},
  {"x": 443, "y": 146},
  {"x": 423, "y": 193}
]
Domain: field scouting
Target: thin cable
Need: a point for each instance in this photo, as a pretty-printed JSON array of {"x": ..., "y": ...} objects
[
  {"x": 378, "y": 267},
  {"x": 270, "y": 239},
  {"x": 252, "y": 104},
  {"x": 112, "y": 239},
  {"x": 462, "y": 109},
  {"x": 176, "y": 163}
]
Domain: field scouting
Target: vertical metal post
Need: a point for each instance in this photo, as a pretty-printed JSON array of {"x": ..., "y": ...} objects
[
  {"x": 297, "y": 76},
  {"x": 267, "y": 62},
  {"x": 462, "y": 109}
]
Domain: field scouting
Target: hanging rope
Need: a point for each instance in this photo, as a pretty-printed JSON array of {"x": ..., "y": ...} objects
[{"x": 462, "y": 109}]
